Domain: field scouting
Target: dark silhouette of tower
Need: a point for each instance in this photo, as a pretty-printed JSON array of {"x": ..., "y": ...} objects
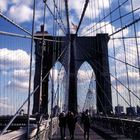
[{"x": 94, "y": 50}]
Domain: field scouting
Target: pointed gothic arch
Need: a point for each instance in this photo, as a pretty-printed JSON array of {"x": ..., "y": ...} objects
[{"x": 85, "y": 84}]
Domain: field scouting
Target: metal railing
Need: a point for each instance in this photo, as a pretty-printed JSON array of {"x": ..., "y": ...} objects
[
  {"x": 35, "y": 133},
  {"x": 121, "y": 126}
]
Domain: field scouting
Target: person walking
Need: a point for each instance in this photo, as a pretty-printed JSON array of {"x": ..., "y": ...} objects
[
  {"x": 62, "y": 125},
  {"x": 86, "y": 122},
  {"x": 71, "y": 122}
]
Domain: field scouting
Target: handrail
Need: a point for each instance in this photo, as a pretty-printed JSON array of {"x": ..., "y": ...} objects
[{"x": 21, "y": 133}]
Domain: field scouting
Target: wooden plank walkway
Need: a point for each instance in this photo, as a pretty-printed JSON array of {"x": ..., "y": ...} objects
[{"x": 79, "y": 134}]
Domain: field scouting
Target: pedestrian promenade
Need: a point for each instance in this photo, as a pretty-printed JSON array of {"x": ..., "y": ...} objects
[{"x": 79, "y": 134}]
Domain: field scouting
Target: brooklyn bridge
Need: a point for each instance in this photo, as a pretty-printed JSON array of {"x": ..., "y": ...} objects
[{"x": 69, "y": 55}]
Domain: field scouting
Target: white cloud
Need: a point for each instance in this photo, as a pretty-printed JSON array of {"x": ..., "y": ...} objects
[
  {"x": 60, "y": 33},
  {"x": 94, "y": 28},
  {"x": 19, "y": 79},
  {"x": 84, "y": 76},
  {"x": 138, "y": 33},
  {"x": 78, "y": 6},
  {"x": 22, "y": 13},
  {"x": 3, "y": 5},
  {"x": 3, "y": 100},
  {"x": 18, "y": 84},
  {"x": 102, "y": 27},
  {"x": 136, "y": 4},
  {"x": 26, "y": 2},
  {"x": 61, "y": 73},
  {"x": 14, "y": 59},
  {"x": 5, "y": 106},
  {"x": 14, "y": 66},
  {"x": 22, "y": 75}
]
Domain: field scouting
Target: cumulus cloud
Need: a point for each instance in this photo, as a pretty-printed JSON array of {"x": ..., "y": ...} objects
[
  {"x": 22, "y": 75},
  {"x": 14, "y": 66},
  {"x": 84, "y": 76},
  {"x": 22, "y": 13},
  {"x": 60, "y": 33},
  {"x": 102, "y": 27},
  {"x": 18, "y": 84},
  {"x": 78, "y": 6},
  {"x": 4, "y": 105},
  {"x": 136, "y": 4},
  {"x": 3, "y": 100},
  {"x": 14, "y": 59},
  {"x": 26, "y": 2},
  {"x": 20, "y": 81},
  {"x": 3, "y": 5},
  {"x": 94, "y": 28},
  {"x": 58, "y": 72}
]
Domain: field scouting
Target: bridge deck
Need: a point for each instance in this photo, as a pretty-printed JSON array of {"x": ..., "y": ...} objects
[{"x": 79, "y": 134}]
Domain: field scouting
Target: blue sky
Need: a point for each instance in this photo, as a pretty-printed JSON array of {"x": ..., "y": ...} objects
[{"x": 15, "y": 52}]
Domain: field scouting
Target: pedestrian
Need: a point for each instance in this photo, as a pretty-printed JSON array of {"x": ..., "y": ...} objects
[
  {"x": 86, "y": 122},
  {"x": 62, "y": 125},
  {"x": 71, "y": 122},
  {"x": 82, "y": 117}
]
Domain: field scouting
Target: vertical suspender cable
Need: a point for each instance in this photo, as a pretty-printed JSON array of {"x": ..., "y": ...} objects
[
  {"x": 138, "y": 53},
  {"x": 114, "y": 51},
  {"x": 82, "y": 15},
  {"x": 136, "y": 39},
  {"x": 42, "y": 56},
  {"x": 52, "y": 76},
  {"x": 125, "y": 55},
  {"x": 41, "y": 70},
  {"x": 30, "y": 74}
]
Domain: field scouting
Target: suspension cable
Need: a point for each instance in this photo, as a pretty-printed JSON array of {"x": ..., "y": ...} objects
[
  {"x": 55, "y": 18},
  {"x": 67, "y": 15},
  {"x": 59, "y": 15},
  {"x": 30, "y": 73},
  {"x": 95, "y": 25},
  {"x": 118, "y": 79},
  {"x": 110, "y": 74},
  {"x": 82, "y": 16},
  {"x": 13, "y": 23}
]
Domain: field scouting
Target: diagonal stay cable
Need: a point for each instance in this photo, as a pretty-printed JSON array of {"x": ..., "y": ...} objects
[
  {"x": 59, "y": 15},
  {"x": 55, "y": 18},
  {"x": 82, "y": 16},
  {"x": 110, "y": 83},
  {"x": 67, "y": 15},
  {"x": 28, "y": 36},
  {"x": 118, "y": 79},
  {"x": 106, "y": 95},
  {"x": 20, "y": 108},
  {"x": 111, "y": 12},
  {"x": 13, "y": 23},
  {"x": 112, "y": 57},
  {"x": 108, "y": 23}
]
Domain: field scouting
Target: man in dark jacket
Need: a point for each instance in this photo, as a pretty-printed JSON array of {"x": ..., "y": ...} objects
[
  {"x": 71, "y": 121},
  {"x": 62, "y": 125},
  {"x": 86, "y": 122}
]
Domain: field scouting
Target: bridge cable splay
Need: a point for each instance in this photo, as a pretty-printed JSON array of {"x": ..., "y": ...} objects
[{"x": 82, "y": 16}]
